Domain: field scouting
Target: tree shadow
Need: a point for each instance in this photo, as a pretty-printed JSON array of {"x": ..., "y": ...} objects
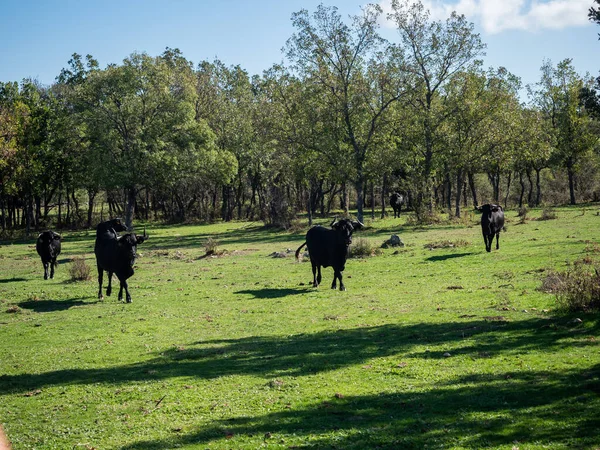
[
  {"x": 449, "y": 256},
  {"x": 273, "y": 292},
  {"x": 42, "y": 306},
  {"x": 11, "y": 280},
  {"x": 309, "y": 354},
  {"x": 442, "y": 417}
]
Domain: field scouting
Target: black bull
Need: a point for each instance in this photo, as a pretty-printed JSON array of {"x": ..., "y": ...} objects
[
  {"x": 116, "y": 254},
  {"x": 48, "y": 247},
  {"x": 492, "y": 222},
  {"x": 396, "y": 202},
  {"x": 330, "y": 248}
]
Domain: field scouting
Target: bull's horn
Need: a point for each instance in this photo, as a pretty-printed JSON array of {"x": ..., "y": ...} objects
[
  {"x": 333, "y": 221},
  {"x": 362, "y": 225}
]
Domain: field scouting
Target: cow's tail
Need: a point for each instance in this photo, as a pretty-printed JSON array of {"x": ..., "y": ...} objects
[{"x": 299, "y": 248}]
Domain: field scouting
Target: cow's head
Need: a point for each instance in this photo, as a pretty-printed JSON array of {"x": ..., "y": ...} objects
[
  {"x": 117, "y": 225},
  {"x": 489, "y": 208},
  {"x": 49, "y": 236},
  {"x": 345, "y": 227}
]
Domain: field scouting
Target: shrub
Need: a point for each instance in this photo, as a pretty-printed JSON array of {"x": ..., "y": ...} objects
[
  {"x": 362, "y": 248},
  {"x": 577, "y": 289},
  {"x": 548, "y": 214},
  {"x": 522, "y": 213},
  {"x": 210, "y": 246},
  {"x": 79, "y": 270}
]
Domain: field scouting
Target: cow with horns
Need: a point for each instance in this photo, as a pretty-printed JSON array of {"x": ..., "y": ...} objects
[
  {"x": 48, "y": 247},
  {"x": 116, "y": 254},
  {"x": 330, "y": 248}
]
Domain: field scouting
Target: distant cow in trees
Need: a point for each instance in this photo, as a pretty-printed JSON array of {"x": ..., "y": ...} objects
[
  {"x": 492, "y": 222},
  {"x": 48, "y": 247},
  {"x": 116, "y": 254},
  {"x": 330, "y": 248},
  {"x": 396, "y": 202}
]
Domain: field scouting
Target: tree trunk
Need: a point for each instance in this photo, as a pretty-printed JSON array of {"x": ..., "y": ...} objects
[
  {"x": 383, "y": 191},
  {"x": 530, "y": 193},
  {"x": 91, "y": 196},
  {"x": 130, "y": 207},
  {"x": 507, "y": 189},
  {"x": 538, "y": 196},
  {"x": 372, "y": 200},
  {"x": 522, "y": 193},
  {"x": 471, "y": 180},
  {"x": 571, "y": 174},
  {"x": 459, "y": 182}
]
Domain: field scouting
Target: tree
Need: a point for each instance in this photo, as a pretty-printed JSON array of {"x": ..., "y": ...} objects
[
  {"x": 141, "y": 114},
  {"x": 356, "y": 75},
  {"x": 558, "y": 97},
  {"x": 594, "y": 14},
  {"x": 436, "y": 51}
]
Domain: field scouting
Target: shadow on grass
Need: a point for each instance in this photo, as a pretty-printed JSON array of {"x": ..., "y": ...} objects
[
  {"x": 449, "y": 256},
  {"x": 534, "y": 407},
  {"x": 10, "y": 280},
  {"x": 309, "y": 354},
  {"x": 530, "y": 407},
  {"x": 53, "y": 305},
  {"x": 273, "y": 292}
]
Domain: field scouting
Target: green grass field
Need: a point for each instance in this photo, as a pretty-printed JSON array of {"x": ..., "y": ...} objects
[{"x": 441, "y": 348}]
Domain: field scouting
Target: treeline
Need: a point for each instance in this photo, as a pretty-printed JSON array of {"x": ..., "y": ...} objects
[{"x": 349, "y": 118}]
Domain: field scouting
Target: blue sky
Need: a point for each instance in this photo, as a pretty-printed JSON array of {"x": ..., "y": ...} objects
[{"x": 38, "y": 37}]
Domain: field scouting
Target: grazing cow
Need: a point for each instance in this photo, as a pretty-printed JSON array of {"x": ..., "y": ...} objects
[
  {"x": 396, "y": 202},
  {"x": 492, "y": 222},
  {"x": 330, "y": 248},
  {"x": 116, "y": 254},
  {"x": 48, "y": 247}
]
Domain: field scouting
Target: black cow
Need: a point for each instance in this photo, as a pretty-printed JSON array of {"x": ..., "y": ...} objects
[
  {"x": 116, "y": 254},
  {"x": 330, "y": 248},
  {"x": 396, "y": 202},
  {"x": 492, "y": 222},
  {"x": 48, "y": 247}
]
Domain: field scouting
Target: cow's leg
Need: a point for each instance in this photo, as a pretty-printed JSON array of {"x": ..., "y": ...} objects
[
  {"x": 52, "y": 264},
  {"x": 120, "y": 290},
  {"x": 497, "y": 240},
  {"x": 486, "y": 240},
  {"x": 127, "y": 296},
  {"x": 45, "y": 270},
  {"x": 100, "y": 296},
  {"x": 109, "y": 287},
  {"x": 342, "y": 287},
  {"x": 319, "y": 278},
  {"x": 314, "y": 271}
]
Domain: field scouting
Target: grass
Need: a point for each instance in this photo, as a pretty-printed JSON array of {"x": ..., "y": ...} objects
[{"x": 428, "y": 347}]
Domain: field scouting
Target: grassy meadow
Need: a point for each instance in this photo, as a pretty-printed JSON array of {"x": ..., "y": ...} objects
[{"x": 429, "y": 347}]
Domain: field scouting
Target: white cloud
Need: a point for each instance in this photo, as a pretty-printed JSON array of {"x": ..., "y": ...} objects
[{"x": 496, "y": 16}]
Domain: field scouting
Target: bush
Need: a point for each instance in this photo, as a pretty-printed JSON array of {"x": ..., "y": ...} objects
[
  {"x": 362, "y": 248},
  {"x": 577, "y": 289},
  {"x": 210, "y": 246},
  {"x": 79, "y": 270},
  {"x": 548, "y": 214},
  {"x": 522, "y": 213}
]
